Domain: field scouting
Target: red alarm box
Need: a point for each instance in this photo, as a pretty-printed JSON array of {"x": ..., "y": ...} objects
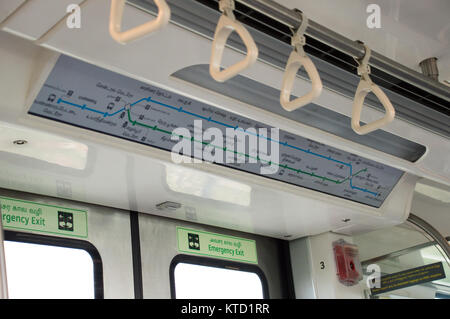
[{"x": 348, "y": 266}]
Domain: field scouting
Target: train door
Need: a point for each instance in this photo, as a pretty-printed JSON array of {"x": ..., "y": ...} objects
[
  {"x": 44, "y": 234},
  {"x": 188, "y": 260}
]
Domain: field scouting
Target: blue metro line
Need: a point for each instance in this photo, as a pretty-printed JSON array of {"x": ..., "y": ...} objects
[{"x": 209, "y": 119}]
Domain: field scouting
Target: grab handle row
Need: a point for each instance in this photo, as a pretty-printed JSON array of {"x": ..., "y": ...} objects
[{"x": 227, "y": 25}]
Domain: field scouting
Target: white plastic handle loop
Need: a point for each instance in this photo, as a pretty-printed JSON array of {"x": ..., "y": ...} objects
[
  {"x": 297, "y": 59},
  {"x": 115, "y": 22},
  {"x": 365, "y": 87},
  {"x": 226, "y": 25}
]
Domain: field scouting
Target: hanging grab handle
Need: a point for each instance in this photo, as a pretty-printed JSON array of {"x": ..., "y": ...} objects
[
  {"x": 297, "y": 59},
  {"x": 365, "y": 87},
  {"x": 115, "y": 22},
  {"x": 226, "y": 25}
]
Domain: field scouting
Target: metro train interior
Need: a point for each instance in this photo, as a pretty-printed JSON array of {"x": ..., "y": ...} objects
[{"x": 225, "y": 149}]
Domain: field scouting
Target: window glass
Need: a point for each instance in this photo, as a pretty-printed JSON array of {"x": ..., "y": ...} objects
[
  {"x": 48, "y": 272},
  {"x": 402, "y": 248},
  {"x": 205, "y": 282}
]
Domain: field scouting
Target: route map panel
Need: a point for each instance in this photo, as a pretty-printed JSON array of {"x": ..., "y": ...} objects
[{"x": 93, "y": 98}]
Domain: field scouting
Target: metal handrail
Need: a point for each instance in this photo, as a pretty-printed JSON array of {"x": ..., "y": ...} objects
[
  {"x": 426, "y": 227},
  {"x": 400, "y": 252},
  {"x": 430, "y": 230}
]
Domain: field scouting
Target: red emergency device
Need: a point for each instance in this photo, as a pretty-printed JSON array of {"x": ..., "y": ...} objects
[{"x": 348, "y": 266}]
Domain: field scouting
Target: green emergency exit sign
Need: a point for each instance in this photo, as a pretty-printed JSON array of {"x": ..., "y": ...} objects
[
  {"x": 22, "y": 215},
  {"x": 208, "y": 244}
]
